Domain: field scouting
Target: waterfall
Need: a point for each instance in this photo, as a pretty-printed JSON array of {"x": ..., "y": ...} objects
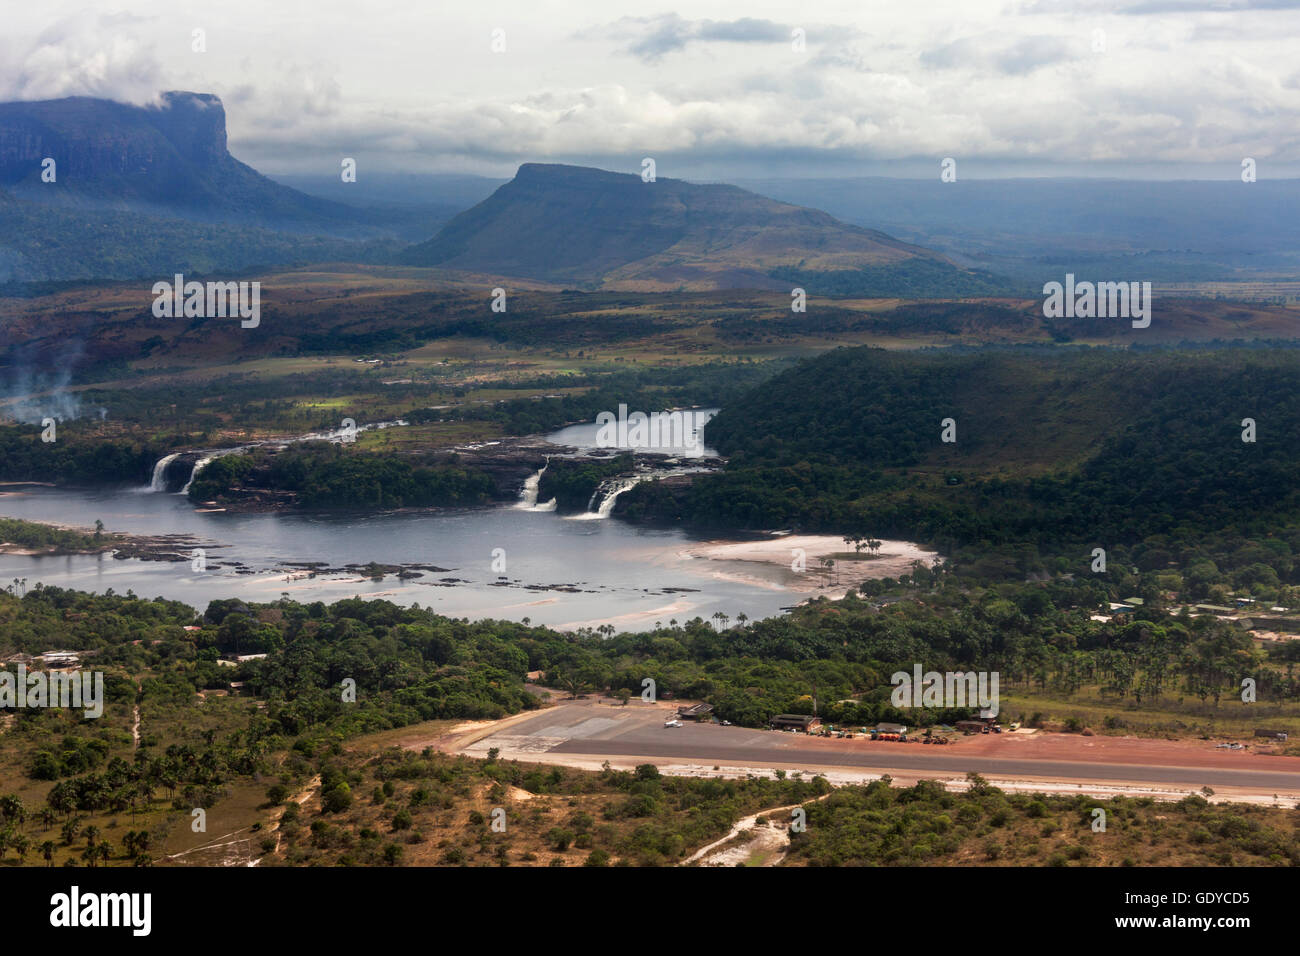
[
  {"x": 159, "y": 480},
  {"x": 528, "y": 497},
  {"x": 198, "y": 467},
  {"x": 611, "y": 489}
]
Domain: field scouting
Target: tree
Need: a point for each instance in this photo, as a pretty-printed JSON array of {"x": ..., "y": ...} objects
[
  {"x": 337, "y": 799},
  {"x": 11, "y": 809}
]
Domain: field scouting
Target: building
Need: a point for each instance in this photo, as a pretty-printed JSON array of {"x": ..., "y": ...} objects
[
  {"x": 1272, "y": 734},
  {"x": 803, "y": 722},
  {"x": 971, "y": 726},
  {"x": 891, "y": 728},
  {"x": 695, "y": 712},
  {"x": 57, "y": 659}
]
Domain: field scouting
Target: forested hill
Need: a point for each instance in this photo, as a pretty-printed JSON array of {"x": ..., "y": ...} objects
[{"x": 1051, "y": 447}]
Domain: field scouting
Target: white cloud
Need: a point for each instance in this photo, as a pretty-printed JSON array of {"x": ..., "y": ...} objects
[
  {"x": 85, "y": 54},
  {"x": 976, "y": 81}
]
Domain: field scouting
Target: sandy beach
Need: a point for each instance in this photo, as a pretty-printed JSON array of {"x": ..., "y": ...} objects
[{"x": 794, "y": 562}]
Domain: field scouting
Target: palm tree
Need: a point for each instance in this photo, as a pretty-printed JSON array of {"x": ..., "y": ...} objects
[
  {"x": 47, "y": 852},
  {"x": 828, "y": 563}
]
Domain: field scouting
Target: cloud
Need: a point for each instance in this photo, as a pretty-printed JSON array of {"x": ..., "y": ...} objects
[
  {"x": 1150, "y": 7},
  {"x": 1014, "y": 58},
  {"x": 651, "y": 38},
  {"x": 973, "y": 82},
  {"x": 85, "y": 54}
]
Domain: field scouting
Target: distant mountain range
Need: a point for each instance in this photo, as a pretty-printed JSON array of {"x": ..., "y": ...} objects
[
  {"x": 147, "y": 191},
  {"x": 1037, "y": 229},
  {"x": 144, "y": 191}
]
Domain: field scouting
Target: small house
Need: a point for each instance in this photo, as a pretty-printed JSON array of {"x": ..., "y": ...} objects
[
  {"x": 695, "y": 712},
  {"x": 801, "y": 722}
]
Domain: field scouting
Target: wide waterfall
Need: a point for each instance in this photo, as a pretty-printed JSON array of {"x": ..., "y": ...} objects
[{"x": 159, "y": 480}]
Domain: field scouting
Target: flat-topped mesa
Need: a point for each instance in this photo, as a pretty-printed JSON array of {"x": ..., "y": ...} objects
[
  {"x": 168, "y": 158},
  {"x": 598, "y": 229},
  {"x": 91, "y": 139}
]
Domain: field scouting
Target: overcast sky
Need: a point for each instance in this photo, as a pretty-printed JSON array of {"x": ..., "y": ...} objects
[{"x": 1165, "y": 88}]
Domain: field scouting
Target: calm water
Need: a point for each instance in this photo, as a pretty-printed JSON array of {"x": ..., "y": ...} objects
[
  {"x": 691, "y": 435},
  {"x": 623, "y": 573}
]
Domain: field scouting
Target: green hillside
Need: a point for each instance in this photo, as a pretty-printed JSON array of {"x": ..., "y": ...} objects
[{"x": 1052, "y": 447}]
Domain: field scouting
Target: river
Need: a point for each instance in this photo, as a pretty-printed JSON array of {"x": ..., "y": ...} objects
[{"x": 509, "y": 561}]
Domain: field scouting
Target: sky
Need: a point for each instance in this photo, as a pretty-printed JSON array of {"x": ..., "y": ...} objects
[{"x": 1125, "y": 88}]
